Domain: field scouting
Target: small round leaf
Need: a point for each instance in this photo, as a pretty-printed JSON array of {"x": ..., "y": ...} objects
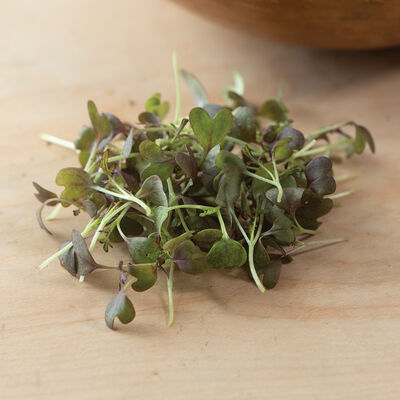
[
  {"x": 226, "y": 253},
  {"x": 119, "y": 307}
]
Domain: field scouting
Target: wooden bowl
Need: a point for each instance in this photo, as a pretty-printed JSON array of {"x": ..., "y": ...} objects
[{"x": 330, "y": 24}]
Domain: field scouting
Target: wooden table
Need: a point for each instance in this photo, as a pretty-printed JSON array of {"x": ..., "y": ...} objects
[{"x": 329, "y": 330}]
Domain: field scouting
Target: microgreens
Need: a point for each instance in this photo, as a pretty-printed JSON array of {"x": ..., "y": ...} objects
[{"x": 229, "y": 186}]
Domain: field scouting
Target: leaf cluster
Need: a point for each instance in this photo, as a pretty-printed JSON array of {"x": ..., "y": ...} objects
[{"x": 229, "y": 186}]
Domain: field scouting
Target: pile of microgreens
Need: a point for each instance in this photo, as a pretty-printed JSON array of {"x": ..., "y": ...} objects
[{"x": 214, "y": 190}]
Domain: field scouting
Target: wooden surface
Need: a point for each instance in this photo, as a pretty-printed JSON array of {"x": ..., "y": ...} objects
[
  {"x": 329, "y": 330},
  {"x": 327, "y": 24}
]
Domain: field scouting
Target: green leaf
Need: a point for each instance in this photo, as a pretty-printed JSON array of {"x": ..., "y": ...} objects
[
  {"x": 238, "y": 83},
  {"x": 261, "y": 257},
  {"x": 237, "y": 100},
  {"x": 83, "y": 157},
  {"x": 288, "y": 181},
  {"x": 229, "y": 187},
  {"x": 281, "y": 142},
  {"x": 196, "y": 223},
  {"x": 364, "y": 135},
  {"x": 187, "y": 163},
  {"x": 359, "y": 142},
  {"x": 222, "y": 123},
  {"x": 98, "y": 199},
  {"x": 119, "y": 307},
  {"x": 259, "y": 188},
  {"x": 77, "y": 184},
  {"x": 281, "y": 230},
  {"x": 272, "y": 273},
  {"x": 209, "y": 162},
  {"x": 160, "y": 164},
  {"x": 318, "y": 167},
  {"x": 162, "y": 170},
  {"x": 146, "y": 222},
  {"x": 90, "y": 207},
  {"x": 319, "y": 176},
  {"x": 146, "y": 276},
  {"x": 244, "y": 124},
  {"x": 291, "y": 199},
  {"x": 84, "y": 262},
  {"x": 282, "y": 152},
  {"x": 173, "y": 243},
  {"x": 68, "y": 259},
  {"x": 202, "y": 125},
  {"x": 44, "y": 195},
  {"x": 149, "y": 118},
  {"x": 126, "y": 150},
  {"x": 206, "y": 238},
  {"x": 297, "y": 138},
  {"x": 86, "y": 139},
  {"x": 151, "y": 151},
  {"x": 196, "y": 88},
  {"x": 130, "y": 224},
  {"x": 93, "y": 113},
  {"x": 323, "y": 185},
  {"x": 315, "y": 207},
  {"x": 272, "y": 132},
  {"x": 143, "y": 250},
  {"x": 213, "y": 109},
  {"x": 101, "y": 124},
  {"x": 226, "y": 253},
  {"x": 189, "y": 258},
  {"x": 237, "y": 87},
  {"x": 152, "y": 190},
  {"x": 162, "y": 110},
  {"x": 210, "y": 132},
  {"x": 160, "y": 214},
  {"x": 117, "y": 126},
  {"x": 268, "y": 265},
  {"x": 274, "y": 110},
  {"x": 244, "y": 200},
  {"x": 226, "y": 160},
  {"x": 155, "y": 106}
]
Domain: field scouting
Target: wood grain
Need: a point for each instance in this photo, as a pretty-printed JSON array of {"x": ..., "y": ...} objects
[
  {"x": 327, "y": 24},
  {"x": 329, "y": 330}
]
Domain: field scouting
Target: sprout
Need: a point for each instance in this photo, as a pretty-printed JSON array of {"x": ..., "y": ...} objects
[{"x": 227, "y": 187}]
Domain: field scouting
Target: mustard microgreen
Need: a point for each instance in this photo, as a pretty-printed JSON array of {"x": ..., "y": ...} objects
[{"x": 228, "y": 186}]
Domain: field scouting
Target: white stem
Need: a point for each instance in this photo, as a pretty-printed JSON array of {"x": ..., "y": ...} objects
[
  {"x": 177, "y": 87},
  {"x": 124, "y": 197},
  {"x": 322, "y": 149},
  {"x": 108, "y": 217},
  {"x": 339, "y": 195},
  {"x": 170, "y": 283},
  {"x": 328, "y": 129},
  {"x": 304, "y": 149},
  {"x": 87, "y": 230},
  {"x": 53, "y": 215},
  {"x": 55, "y": 140},
  {"x": 347, "y": 177}
]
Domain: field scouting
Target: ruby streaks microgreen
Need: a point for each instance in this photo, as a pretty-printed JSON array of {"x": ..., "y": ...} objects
[{"x": 218, "y": 189}]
